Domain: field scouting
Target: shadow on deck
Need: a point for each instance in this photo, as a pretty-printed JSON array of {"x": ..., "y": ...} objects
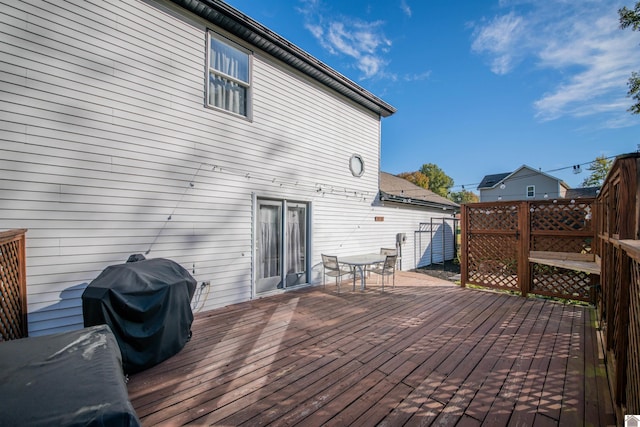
[{"x": 426, "y": 352}]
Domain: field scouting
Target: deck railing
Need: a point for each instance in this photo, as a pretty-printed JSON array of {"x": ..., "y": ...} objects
[
  {"x": 13, "y": 285},
  {"x": 618, "y": 245}
]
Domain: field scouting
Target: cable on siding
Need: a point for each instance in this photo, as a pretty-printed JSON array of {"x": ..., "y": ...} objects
[
  {"x": 318, "y": 189},
  {"x": 164, "y": 225}
]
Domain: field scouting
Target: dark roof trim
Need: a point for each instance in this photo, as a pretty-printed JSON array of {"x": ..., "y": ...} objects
[
  {"x": 251, "y": 31},
  {"x": 386, "y": 197}
]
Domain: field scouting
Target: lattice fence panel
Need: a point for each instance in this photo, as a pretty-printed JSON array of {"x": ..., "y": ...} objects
[
  {"x": 579, "y": 244},
  {"x": 11, "y": 314},
  {"x": 497, "y": 217},
  {"x": 493, "y": 261},
  {"x": 560, "y": 282},
  {"x": 633, "y": 351},
  {"x": 561, "y": 216}
]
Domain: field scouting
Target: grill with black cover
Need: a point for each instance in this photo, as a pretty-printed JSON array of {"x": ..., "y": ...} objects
[{"x": 147, "y": 304}]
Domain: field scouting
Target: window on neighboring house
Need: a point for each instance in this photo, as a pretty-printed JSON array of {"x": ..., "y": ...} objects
[
  {"x": 531, "y": 191},
  {"x": 229, "y": 85}
]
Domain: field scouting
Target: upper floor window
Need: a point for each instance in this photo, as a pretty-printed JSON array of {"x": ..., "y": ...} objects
[
  {"x": 531, "y": 191},
  {"x": 229, "y": 75}
]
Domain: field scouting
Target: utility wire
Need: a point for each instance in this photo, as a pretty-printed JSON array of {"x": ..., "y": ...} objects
[{"x": 463, "y": 186}]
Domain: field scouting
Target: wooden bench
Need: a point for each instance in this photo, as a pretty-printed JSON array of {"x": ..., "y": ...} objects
[{"x": 571, "y": 261}]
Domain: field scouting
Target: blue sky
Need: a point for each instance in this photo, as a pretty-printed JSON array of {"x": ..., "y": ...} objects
[{"x": 483, "y": 87}]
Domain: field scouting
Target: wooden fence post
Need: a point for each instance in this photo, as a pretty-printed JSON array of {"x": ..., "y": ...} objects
[
  {"x": 622, "y": 338},
  {"x": 524, "y": 226},
  {"x": 464, "y": 237}
]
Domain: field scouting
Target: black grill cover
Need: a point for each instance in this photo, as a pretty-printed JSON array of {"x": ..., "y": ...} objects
[
  {"x": 65, "y": 379},
  {"x": 147, "y": 304}
]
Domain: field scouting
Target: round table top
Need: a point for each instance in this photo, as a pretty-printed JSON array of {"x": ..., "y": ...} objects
[{"x": 363, "y": 259}]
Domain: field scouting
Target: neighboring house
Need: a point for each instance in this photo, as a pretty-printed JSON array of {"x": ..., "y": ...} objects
[
  {"x": 182, "y": 130},
  {"x": 525, "y": 183},
  {"x": 582, "y": 193}
]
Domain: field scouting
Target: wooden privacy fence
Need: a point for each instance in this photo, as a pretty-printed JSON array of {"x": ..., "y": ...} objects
[
  {"x": 557, "y": 247},
  {"x": 13, "y": 285},
  {"x": 542, "y": 247},
  {"x": 617, "y": 212}
]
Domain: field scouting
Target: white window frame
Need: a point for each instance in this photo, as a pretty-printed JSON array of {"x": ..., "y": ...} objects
[
  {"x": 531, "y": 191},
  {"x": 212, "y": 71}
]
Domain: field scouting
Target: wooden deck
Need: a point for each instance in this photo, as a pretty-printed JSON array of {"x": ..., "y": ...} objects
[{"x": 424, "y": 353}]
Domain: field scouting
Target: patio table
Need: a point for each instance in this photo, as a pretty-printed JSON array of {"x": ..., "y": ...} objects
[{"x": 361, "y": 262}]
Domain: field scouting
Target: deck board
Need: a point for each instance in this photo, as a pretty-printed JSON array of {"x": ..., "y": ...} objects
[{"x": 425, "y": 353}]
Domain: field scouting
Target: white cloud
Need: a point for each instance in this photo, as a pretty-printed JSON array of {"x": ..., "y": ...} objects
[
  {"x": 405, "y": 8},
  {"x": 362, "y": 41},
  {"x": 580, "y": 43},
  {"x": 315, "y": 30},
  {"x": 341, "y": 40},
  {"x": 500, "y": 39},
  {"x": 604, "y": 57},
  {"x": 417, "y": 76}
]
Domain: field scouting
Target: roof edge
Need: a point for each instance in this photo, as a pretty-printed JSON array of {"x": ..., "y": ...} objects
[
  {"x": 384, "y": 196},
  {"x": 251, "y": 31}
]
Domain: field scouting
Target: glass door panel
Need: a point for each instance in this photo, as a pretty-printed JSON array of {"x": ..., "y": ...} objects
[
  {"x": 296, "y": 244},
  {"x": 269, "y": 247}
]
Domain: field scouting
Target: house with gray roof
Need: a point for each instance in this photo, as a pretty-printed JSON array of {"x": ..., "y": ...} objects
[
  {"x": 184, "y": 130},
  {"x": 525, "y": 183}
]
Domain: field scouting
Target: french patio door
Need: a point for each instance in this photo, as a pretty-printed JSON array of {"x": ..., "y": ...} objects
[{"x": 282, "y": 230}]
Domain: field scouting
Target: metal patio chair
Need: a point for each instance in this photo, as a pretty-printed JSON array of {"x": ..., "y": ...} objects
[
  {"x": 386, "y": 269},
  {"x": 331, "y": 267},
  {"x": 388, "y": 251}
]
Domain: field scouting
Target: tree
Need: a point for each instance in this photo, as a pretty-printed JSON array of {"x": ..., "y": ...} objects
[
  {"x": 631, "y": 18},
  {"x": 599, "y": 169},
  {"x": 417, "y": 178},
  {"x": 439, "y": 182},
  {"x": 464, "y": 196}
]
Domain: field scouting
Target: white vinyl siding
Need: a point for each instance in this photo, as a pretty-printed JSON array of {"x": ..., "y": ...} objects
[
  {"x": 365, "y": 235},
  {"x": 107, "y": 150}
]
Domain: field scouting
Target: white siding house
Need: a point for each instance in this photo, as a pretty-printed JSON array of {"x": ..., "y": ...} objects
[{"x": 116, "y": 138}]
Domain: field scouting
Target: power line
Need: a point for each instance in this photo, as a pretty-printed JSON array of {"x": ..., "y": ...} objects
[{"x": 574, "y": 167}]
